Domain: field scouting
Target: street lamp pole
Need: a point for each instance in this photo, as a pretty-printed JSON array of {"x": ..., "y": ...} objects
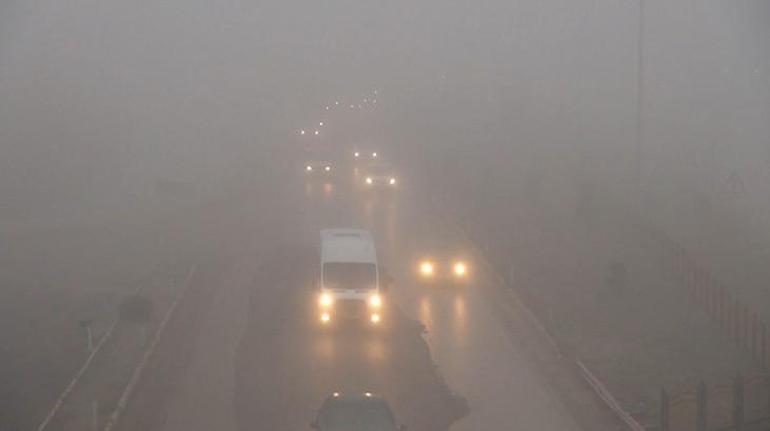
[{"x": 639, "y": 144}]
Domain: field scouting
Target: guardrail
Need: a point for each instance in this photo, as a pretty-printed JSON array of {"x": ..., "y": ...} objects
[
  {"x": 736, "y": 319},
  {"x": 742, "y": 403}
]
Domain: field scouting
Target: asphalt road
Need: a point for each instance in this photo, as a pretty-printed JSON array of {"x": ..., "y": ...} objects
[{"x": 446, "y": 357}]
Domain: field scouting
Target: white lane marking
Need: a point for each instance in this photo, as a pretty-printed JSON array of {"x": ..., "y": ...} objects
[
  {"x": 126, "y": 395},
  {"x": 86, "y": 365},
  {"x": 75, "y": 380}
]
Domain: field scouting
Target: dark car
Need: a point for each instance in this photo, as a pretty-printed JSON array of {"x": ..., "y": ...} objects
[{"x": 355, "y": 413}]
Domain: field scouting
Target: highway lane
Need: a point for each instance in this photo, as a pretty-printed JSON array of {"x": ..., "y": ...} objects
[
  {"x": 262, "y": 362},
  {"x": 470, "y": 343},
  {"x": 288, "y": 363},
  {"x": 485, "y": 348},
  {"x": 190, "y": 381},
  {"x": 467, "y": 339}
]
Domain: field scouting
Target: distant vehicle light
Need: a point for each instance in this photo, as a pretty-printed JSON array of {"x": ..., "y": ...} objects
[
  {"x": 392, "y": 181},
  {"x": 460, "y": 269},
  {"x": 325, "y": 317},
  {"x": 325, "y": 300},
  {"x": 368, "y": 180},
  {"x": 375, "y": 318},
  {"x": 374, "y": 155},
  {"x": 336, "y": 394},
  {"x": 301, "y": 132},
  {"x": 356, "y": 154},
  {"x": 321, "y": 123},
  {"x": 308, "y": 168},
  {"x": 375, "y": 301},
  {"x": 426, "y": 269},
  {"x": 317, "y": 132},
  {"x": 328, "y": 168},
  {"x": 367, "y": 394}
]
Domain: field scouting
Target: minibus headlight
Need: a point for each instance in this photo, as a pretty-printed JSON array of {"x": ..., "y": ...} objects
[
  {"x": 426, "y": 268},
  {"x": 325, "y": 300}
]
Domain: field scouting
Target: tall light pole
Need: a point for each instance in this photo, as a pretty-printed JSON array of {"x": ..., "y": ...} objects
[{"x": 639, "y": 144}]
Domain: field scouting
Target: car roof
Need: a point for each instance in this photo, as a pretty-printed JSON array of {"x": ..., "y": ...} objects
[
  {"x": 356, "y": 398},
  {"x": 365, "y": 404},
  {"x": 347, "y": 245}
]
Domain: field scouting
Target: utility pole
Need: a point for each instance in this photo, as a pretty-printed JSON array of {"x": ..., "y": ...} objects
[{"x": 639, "y": 144}]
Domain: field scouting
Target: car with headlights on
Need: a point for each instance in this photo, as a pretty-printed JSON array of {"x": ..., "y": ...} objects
[
  {"x": 364, "y": 412},
  {"x": 318, "y": 169},
  {"x": 442, "y": 267},
  {"x": 365, "y": 155},
  {"x": 378, "y": 175}
]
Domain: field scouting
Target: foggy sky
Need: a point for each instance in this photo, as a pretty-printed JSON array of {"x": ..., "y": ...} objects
[{"x": 100, "y": 99}]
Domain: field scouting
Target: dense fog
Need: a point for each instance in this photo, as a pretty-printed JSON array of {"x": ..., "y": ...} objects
[
  {"x": 101, "y": 100},
  {"x": 561, "y": 142}
]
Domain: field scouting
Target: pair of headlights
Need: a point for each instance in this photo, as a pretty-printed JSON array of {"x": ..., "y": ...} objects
[
  {"x": 428, "y": 269},
  {"x": 391, "y": 181},
  {"x": 310, "y": 168},
  {"x": 357, "y": 155},
  {"x": 326, "y": 301}
]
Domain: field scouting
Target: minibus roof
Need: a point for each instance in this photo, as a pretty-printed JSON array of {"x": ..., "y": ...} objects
[{"x": 347, "y": 245}]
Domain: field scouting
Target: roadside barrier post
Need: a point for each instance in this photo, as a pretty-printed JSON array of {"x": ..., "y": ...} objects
[
  {"x": 754, "y": 335},
  {"x": 95, "y": 415},
  {"x": 86, "y": 325},
  {"x": 664, "y": 407},
  {"x": 729, "y": 316},
  {"x": 738, "y": 403},
  {"x": 767, "y": 388},
  {"x": 721, "y": 307},
  {"x": 737, "y": 322},
  {"x": 701, "y": 411},
  {"x": 746, "y": 328},
  {"x": 764, "y": 349}
]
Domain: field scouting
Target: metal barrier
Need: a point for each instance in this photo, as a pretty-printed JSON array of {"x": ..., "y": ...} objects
[
  {"x": 735, "y": 406},
  {"x": 740, "y": 323}
]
